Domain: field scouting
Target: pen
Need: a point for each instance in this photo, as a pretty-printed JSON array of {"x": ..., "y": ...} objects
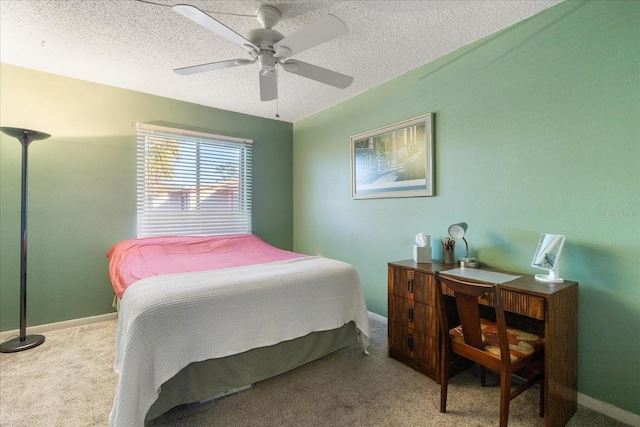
[{"x": 448, "y": 244}]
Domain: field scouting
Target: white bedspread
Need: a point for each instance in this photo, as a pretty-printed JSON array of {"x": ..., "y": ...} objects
[{"x": 167, "y": 322}]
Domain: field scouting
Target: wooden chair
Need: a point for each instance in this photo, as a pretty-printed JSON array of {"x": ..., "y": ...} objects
[{"x": 488, "y": 342}]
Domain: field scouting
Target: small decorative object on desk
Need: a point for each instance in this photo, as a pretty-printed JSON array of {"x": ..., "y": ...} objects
[
  {"x": 448, "y": 245},
  {"x": 447, "y": 257},
  {"x": 422, "y": 249},
  {"x": 547, "y": 257}
]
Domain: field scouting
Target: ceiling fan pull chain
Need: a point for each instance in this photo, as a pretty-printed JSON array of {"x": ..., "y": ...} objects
[{"x": 277, "y": 99}]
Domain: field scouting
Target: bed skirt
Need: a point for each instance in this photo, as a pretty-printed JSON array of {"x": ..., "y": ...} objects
[{"x": 200, "y": 381}]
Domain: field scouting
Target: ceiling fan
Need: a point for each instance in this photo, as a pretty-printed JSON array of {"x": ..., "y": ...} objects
[{"x": 268, "y": 48}]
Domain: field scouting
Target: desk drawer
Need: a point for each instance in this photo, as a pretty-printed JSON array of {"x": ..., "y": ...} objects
[
  {"x": 418, "y": 350},
  {"x": 414, "y": 315},
  {"x": 414, "y": 285},
  {"x": 516, "y": 302},
  {"x": 527, "y": 305}
]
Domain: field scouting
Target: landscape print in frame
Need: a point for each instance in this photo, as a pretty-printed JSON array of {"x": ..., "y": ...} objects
[{"x": 393, "y": 161}]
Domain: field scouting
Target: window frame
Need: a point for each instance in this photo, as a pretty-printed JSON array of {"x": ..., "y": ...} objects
[{"x": 192, "y": 197}]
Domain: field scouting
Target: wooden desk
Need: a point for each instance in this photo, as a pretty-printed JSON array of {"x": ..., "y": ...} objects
[{"x": 547, "y": 309}]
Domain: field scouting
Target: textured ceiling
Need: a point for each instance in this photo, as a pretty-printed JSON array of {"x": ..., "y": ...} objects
[{"x": 136, "y": 44}]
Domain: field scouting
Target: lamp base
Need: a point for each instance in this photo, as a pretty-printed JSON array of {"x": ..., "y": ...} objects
[
  {"x": 15, "y": 344},
  {"x": 469, "y": 262}
]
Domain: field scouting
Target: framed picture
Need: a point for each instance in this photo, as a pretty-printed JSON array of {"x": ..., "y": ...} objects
[{"x": 393, "y": 161}]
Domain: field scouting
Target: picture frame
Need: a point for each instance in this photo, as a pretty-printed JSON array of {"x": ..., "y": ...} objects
[{"x": 394, "y": 161}]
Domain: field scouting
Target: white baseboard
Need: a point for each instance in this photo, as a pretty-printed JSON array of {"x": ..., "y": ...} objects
[
  {"x": 41, "y": 329},
  {"x": 378, "y": 318},
  {"x": 584, "y": 400},
  {"x": 609, "y": 410}
]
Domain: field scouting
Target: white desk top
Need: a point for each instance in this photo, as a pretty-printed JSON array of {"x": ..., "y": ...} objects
[{"x": 482, "y": 275}]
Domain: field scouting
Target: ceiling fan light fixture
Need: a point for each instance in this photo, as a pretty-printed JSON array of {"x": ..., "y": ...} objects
[{"x": 267, "y": 63}]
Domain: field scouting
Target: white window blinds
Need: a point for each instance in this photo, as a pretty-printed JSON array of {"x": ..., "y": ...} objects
[{"x": 192, "y": 183}]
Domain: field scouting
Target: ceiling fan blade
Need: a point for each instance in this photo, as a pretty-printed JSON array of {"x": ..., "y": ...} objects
[
  {"x": 321, "y": 31},
  {"x": 201, "y": 18},
  {"x": 268, "y": 86},
  {"x": 194, "y": 69},
  {"x": 319, "y": 74}
]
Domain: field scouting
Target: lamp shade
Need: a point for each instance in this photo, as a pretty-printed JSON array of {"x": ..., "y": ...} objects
[
  {"x": 25, "y": 136},
  {"x": 456, "y": 231}
]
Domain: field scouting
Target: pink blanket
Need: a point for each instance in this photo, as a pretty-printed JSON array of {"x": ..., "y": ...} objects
[{"x": 135, "y": 259}]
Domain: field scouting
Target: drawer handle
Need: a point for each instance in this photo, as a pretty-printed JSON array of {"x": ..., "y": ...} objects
[
  {"x": 410, "y": 314},
  {"x": 410, "y": 285},
  {"x": 410, "y": 342}
]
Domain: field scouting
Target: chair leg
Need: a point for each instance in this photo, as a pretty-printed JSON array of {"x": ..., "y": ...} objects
[
  {"x": 542, "y": 398},
  {"x": 444, "y": 380},
  {"x": 443, "y": 394},
  {"x": 505, "y": 397}
]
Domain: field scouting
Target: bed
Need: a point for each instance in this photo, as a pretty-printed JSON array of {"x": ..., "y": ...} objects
[{"x": 200, "y": 316}]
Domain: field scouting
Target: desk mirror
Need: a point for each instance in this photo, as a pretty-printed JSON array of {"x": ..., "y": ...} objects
[{"x": 547, "y": 257}]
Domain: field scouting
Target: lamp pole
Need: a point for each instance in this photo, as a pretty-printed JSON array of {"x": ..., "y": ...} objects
[{"x": 23, "y": 341}]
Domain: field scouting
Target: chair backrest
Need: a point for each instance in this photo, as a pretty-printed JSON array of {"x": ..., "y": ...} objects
[{"x": 467, "y": 296}]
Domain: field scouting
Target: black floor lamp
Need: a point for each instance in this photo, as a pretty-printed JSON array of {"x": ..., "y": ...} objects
[{"x": 24, "y": 341}]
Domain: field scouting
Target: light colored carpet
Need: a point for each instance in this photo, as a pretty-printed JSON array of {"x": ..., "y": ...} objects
[{"x": 69, "y": 381}]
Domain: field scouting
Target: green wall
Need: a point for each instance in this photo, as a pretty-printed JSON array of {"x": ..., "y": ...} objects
[
  {"x": 537, "y": 130},
  {"x": 82, "y": 185}
]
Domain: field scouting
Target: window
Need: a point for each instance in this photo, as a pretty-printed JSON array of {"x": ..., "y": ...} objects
[{"x": 192, "y": 183}]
